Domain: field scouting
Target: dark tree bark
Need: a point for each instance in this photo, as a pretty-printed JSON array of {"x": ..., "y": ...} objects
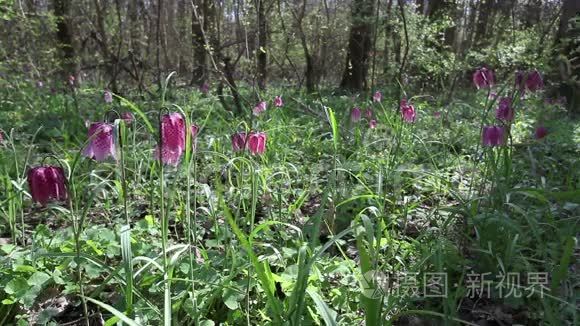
[
  {"x": 388, "y": 32},
  {"x": 159, "y": 43},
  {"x": 421, "y": 7},
  {"x": 309, "y": 73},
  {"x": 439, "y": 9},
  {"x": 485, "y": 10},
  {"x": 65, "y": 38},
  {"x": 533, "y": 11},
  {"x": 198, "y": 43},
  {"x": 570, "y": 9},
  {"x": 261, "y": 56},
  {"x": 359, "y": 45},
  {"x": 134, "y": 35},
  {"x": 568, "y": 43}
]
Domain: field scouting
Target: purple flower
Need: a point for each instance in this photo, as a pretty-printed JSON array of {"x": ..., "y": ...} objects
[
  {"x": 238, "y": 141},
  {"x": 204, "y": 88},
  {"x": 128, "y": 117},
  {"x": 377, "y": 96},
  {"x": 407, "y": 111},
  {"x": 505, "y": 112},
  {"x": 540, "y": 132},
  {"x": 39, "y": 84},
  {"x": 172, "y": 138},
  {"x": 47, "y": 183},
  {"x": 108, "y": 97},
  {"x": 101, "y": 141},
  {"x": 534, "y": 81},
  {"x": 492, "y": 136},
  {"x": 437, "y": 114},
  {"x": 373, "y": 124},
  {"x": 278, "y": 101},
  {"x": 194, "y": 132},
  {"x": 369, "y": 114},
  {"x": 355, "y": 114},
  {"x": 257, "y": 143},
  {"x": 483, "y": 78},
  {"x": 259, "y": 108}
]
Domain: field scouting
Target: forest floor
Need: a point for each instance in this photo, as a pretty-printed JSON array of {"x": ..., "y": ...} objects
[{"x": 339, "y": 221}]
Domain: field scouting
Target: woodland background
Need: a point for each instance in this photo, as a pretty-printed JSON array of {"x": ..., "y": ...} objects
[{"x": 356, "y": 45}]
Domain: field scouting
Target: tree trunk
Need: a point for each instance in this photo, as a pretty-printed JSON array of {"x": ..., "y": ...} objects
[
  {"x": 485, "y": 10},
  {"x": 359, "y": 45},
  {"x": 570, "y": 8},
  {"x": 159, "y": 43},
  {"x": 568, "y": 42},
  {"x": 388, "y": 32},
  {"x": 65, "y": 38},
  {"x": 533, "y": 11},
  {"x": 438, "y": 9},
  {"x": 421, "y": 7},
  {"x": 198, "y": 43},
  {"x": 261, "y": 57}
]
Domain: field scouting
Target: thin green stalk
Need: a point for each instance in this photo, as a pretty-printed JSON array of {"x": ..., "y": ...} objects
[
  {"x": 77, "y": 229},
  {"x": 192, "y": 231},
  {"x": 164, "y": 232},
  {"x": 128, "y": 256}
]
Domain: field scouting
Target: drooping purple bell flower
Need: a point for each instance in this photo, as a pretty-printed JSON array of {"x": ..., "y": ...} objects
[
  {"x": 368, "y": 114},
  {"x": 540, "y": 132},
  {"x": 101, "y": 142},
  {"x": 408, "y": 112},
  {"x": 128, "y": 117},
  {"x": 108, "y": 96},
  {"x": 483, "y": 78},
  {"x": 355, "y": 114},
  {"x": 278, "y": 101},
  {"x": 492, "y": 136},
  {"x": 238, "y": 141},
  {"x": 47, "y": 183},
  {"x": 257, "y": 143},
  {"x": 204, "y": 88},
  {"x": 172, "y": 138},
  {"x": 534, "y": 81},
  {"x": 373, "y": 124},
  {"x": 377, "y": 96},
  {"x": 505, "y": 111},
  {"x": 259, "y": 108},
  {"x": 194, "y": 132}
]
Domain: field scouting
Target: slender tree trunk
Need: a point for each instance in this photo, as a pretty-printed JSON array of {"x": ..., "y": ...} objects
[
  {"x": 65, "y": 38},
  {"x": 159, "y": 42},
  {"x": 438, "y": 9},
  {"x": 134, "y": 35},
  {"x": 533, "y": 11},
  {"x": 570, "y": 8},
  {"x": 388, "y": 33},
  {"x": 359, "y": 46},
  {"x": 309, "y": 73},
  {"x": 568, "y": 43},
  {"x": 198, "y": 42},
  {"x": 421, "y": 7},
  {"x": 262, "y": 58},
  {"x": 485, "y": 10}
]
